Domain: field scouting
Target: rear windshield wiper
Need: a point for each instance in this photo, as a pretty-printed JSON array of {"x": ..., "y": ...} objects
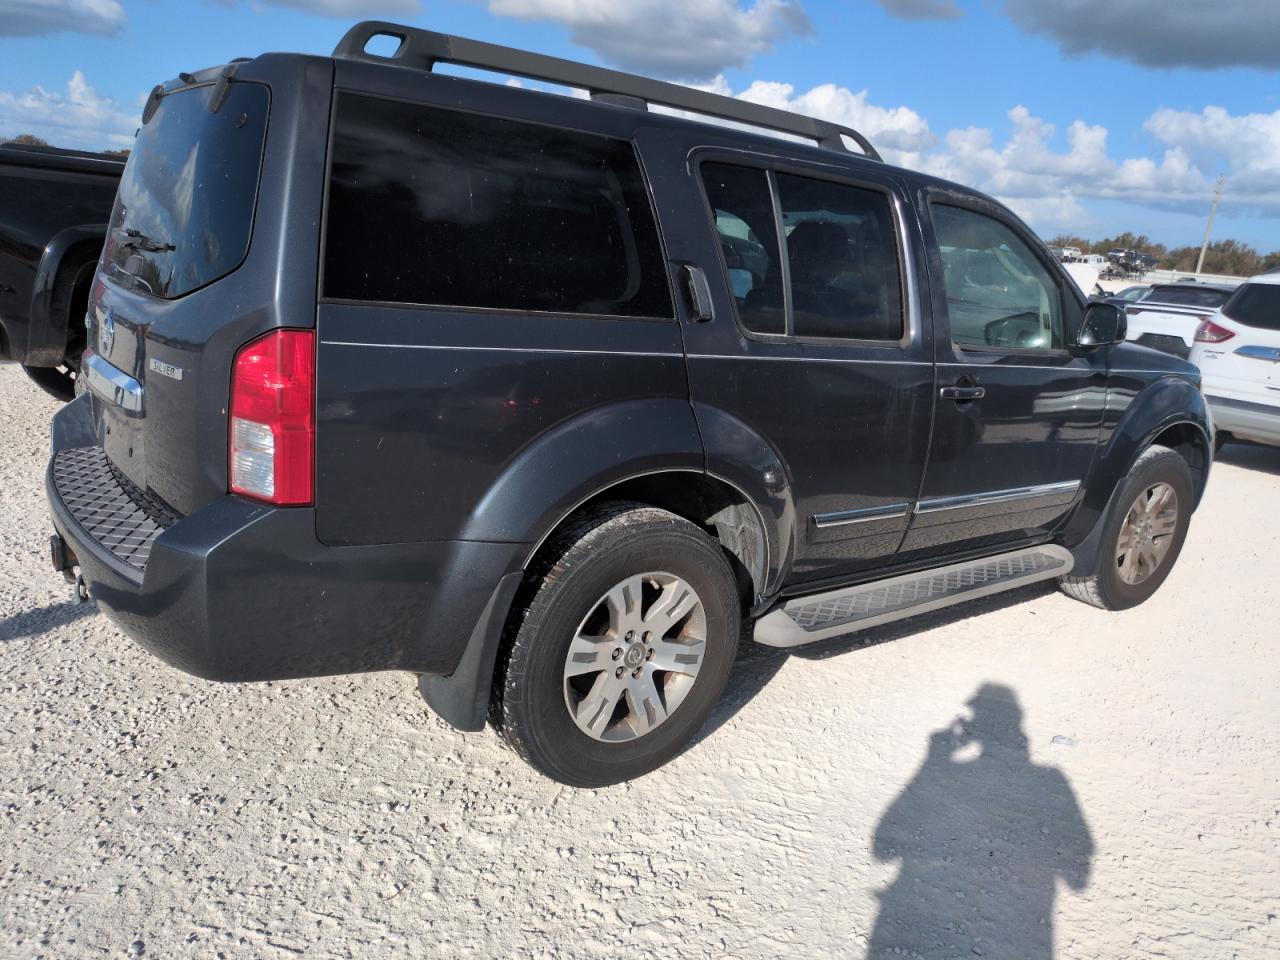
[{"x": 140, "y": 241}]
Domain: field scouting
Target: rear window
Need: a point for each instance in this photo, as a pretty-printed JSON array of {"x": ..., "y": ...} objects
[
  {"x": 1255, "y": 305},
  {"x": 1187, "y": 295},
  {"x": 184, "y": 213},
  {"x": 438, "y": 207}
]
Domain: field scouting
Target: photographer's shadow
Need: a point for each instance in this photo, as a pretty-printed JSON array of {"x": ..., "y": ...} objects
[{"x": 983, "y": 836}]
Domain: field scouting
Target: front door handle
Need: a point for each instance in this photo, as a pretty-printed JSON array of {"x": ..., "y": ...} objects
[{"x": 964, "y": 391}]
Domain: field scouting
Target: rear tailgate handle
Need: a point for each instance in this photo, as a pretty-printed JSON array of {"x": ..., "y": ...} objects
[
  {"x": 699, "y": 293},
  {"x": 963, "y": 391}
]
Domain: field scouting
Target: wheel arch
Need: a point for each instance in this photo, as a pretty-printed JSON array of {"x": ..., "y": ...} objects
[{"x": 1170, "y": 412}]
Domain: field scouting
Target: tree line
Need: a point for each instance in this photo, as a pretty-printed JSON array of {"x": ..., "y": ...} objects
[
  {"x": 31, "y": 140},
  {"x": 1223, "y": 256}
]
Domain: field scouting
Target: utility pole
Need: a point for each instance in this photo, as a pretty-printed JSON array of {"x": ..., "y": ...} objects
[{"x": 1208, "y": 227}]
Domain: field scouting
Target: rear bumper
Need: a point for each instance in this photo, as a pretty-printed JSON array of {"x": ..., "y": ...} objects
[
  {"x": 1245, "y": 419},
  {"x": 240, "y": 591}
]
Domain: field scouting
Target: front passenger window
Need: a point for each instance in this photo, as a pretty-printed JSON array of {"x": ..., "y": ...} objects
[{"x": 999, "y": 294}]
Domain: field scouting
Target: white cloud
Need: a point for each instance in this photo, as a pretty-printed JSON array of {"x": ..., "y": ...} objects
[
  {"x": 37, "y": 18},
  {"x": 1049, "y": 181},
  {"x": 79, "y": 118},
  {"x": 1159, "y": 33},
  {"x": 898, "y": 133},
  {"x": 685, "y": 39}
]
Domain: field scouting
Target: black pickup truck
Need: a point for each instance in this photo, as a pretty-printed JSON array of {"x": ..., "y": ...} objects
[
  {"x": 543, "y": 399},
  {"x": 54, "y": 208}
]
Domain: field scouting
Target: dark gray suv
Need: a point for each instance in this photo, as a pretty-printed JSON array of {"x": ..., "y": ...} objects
[{"x": 544, "y": 399}]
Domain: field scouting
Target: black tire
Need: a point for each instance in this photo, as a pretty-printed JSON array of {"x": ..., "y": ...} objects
[
  {"x": 1103, "y": 586},
  {"x": 596, "y": 551}
]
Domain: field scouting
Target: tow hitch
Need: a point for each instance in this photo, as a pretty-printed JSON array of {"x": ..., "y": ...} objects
[{"x": 65, "y": 563}]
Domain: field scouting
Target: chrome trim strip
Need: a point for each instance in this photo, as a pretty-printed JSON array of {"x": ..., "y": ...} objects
[
  {"x": 442, "y": 346},
  {"x": 1011, "y": 495},
  {"x": 757, "y": 356},
  {"x": 628, "y": 353},
  {"x": 1260, "y": 353},
  {"x": 112, "y": 384},
  {"x": 842, "y": 518}
]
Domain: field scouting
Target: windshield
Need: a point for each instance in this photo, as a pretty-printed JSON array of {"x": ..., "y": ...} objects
[
  {"x": 184, "y": 212},
  {"x": 1255, "y": 305},
  {"x": 1188, "y": 295}
]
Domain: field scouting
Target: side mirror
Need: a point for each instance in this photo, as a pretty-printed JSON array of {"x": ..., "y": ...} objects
[{"x": 1103, "y": 323}]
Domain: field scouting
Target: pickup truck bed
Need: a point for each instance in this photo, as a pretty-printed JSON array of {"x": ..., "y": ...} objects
[{"x": 54, "y": 208}]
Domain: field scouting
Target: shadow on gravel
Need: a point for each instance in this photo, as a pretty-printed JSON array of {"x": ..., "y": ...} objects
[
  {"x": 1250, "y": 456},
  {"x": 757, "y": 664},
  {"x": 983, "y": 836},
  {"x": 30, "y": 623}
]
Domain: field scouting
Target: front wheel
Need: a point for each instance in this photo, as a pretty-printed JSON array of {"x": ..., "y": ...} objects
[
  {"x": 622, "y": 649},
  {"x": 1143, "y": 535}
]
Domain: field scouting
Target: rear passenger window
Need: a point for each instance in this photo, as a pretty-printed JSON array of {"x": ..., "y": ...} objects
[
  {"x": 843, "y": 255},
  {"x": 433, "y": 206},
  {"x": 743, "y": 211}
]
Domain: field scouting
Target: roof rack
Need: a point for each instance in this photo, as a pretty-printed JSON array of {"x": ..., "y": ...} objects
[{"x": 423, "y": 49}]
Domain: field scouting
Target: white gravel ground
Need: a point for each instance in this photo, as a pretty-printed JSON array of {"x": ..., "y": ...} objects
[{"x": 1114, "y": 794}]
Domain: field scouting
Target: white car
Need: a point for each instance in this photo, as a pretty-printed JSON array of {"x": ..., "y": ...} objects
[
  {"x": 1166, "y": 317},
  {"x": 1238, "y": 353}
]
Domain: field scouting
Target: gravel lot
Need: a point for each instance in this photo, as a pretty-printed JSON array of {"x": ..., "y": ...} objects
[{"x": 1114, "y": 791}]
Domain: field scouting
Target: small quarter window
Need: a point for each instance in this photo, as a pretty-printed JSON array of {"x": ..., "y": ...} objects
[
  {"x": 998, "y": 293},
  {"x": 439, "y": 207},
  {"x": 743, "y": 210},
  {"x": 843, "y": 255}
]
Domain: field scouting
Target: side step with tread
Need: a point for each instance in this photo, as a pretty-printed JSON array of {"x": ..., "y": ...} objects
[{"x": 817, "y": 617}]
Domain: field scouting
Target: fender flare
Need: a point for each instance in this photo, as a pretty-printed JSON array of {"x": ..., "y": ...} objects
[
  {"x": 578, "y": 460},
  {"x": 568, "y": 464},
  {"x": 1168, "y": 402},
  {"x": 60, "y": 269}
]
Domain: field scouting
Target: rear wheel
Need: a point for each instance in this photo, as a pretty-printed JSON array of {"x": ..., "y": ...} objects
[
  {"x": 1143, "y": 534},
  {"x": 625, "y": 642}
]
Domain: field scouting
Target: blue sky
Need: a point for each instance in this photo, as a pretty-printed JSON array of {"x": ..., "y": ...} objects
[{"x": 1092, "y": 116}]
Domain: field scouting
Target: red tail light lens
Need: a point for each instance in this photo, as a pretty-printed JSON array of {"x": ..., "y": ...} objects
[
  {"x": 271, "y": 448},
  {"x": 1210, "y": 332}
]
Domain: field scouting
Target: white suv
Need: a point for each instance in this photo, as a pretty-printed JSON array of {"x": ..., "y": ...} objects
[{"x": 1238, "y": 353}]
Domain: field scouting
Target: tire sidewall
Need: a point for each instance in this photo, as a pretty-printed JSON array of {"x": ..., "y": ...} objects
[{"x": 535, "y": 688}]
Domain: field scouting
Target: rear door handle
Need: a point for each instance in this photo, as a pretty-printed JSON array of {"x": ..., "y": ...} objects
[
  {"x": 963, "y": 392},
  {"x": 699, "y": 293}
]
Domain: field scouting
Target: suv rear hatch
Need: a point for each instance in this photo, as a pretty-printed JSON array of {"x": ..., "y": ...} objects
[{"x": 194, "y": 265}]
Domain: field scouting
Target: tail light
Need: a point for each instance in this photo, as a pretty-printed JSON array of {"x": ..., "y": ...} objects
[
  {"x": 271, "y": 451},
  {"x": 1210, "y": 332}
]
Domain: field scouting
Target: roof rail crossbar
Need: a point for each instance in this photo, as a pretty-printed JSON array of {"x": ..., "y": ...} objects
[{"x": 423, "y": 49}]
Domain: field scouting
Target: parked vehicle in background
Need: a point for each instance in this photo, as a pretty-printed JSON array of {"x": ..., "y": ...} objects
[
  {"x": 1122, "y": 298},
  {"x": 1238, "y": 352},
  {"x": 577, "y": 389},
  {"x": 1167, "y": 317},
  {"x": 54, "y": 208}
]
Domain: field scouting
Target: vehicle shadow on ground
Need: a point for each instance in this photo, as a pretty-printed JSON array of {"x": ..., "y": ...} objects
[
  {"x": 982, "y": 835},
  {"x": 1251, "y": 457},
  {"x": 757, "y": 664},
  {"x": 30, "y": 623}
]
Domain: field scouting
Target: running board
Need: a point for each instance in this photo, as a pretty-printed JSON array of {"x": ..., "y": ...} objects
[{"x": 822, "y": 615}]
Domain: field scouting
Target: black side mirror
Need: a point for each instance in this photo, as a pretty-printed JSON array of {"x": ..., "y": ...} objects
[{"x": 1103, "y": 323}]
